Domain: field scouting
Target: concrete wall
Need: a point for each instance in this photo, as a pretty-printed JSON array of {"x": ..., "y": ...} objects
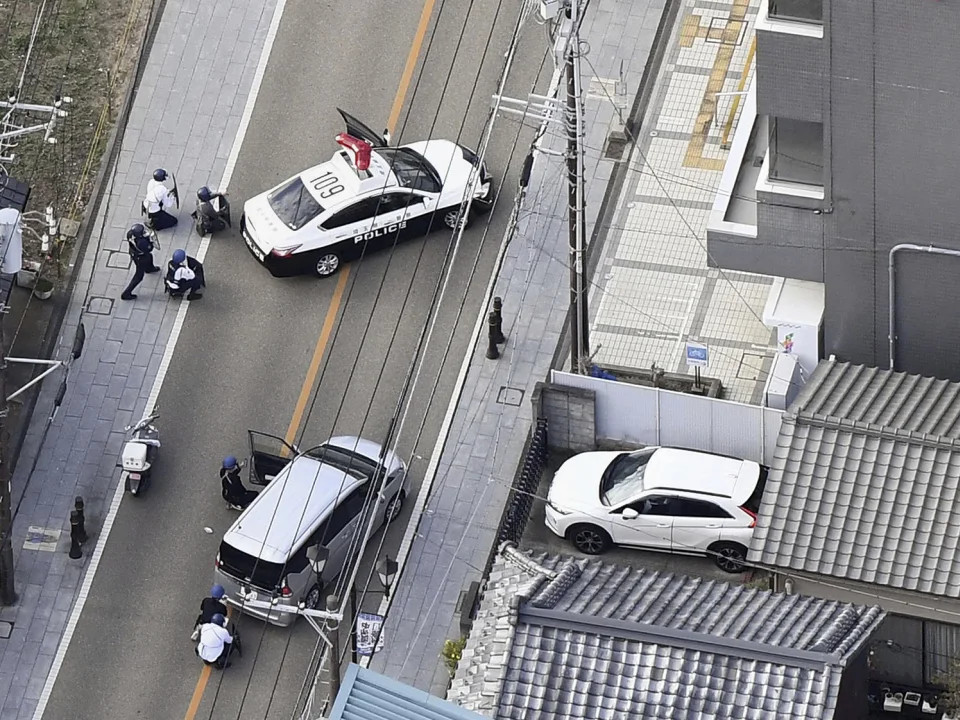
[
  {"x": 570, "y": 414},
  {"x": 891, "y": 111}
]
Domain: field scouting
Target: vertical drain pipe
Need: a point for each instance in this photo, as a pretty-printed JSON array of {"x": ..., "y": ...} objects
[{"x": 891, "y": 290}]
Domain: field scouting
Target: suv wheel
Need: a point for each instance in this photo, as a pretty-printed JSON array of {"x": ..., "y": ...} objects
[
  {"x": 589, "y": 539},
  {"x": 729, "y": 557},
  {"x": 327, "y": 264},
  {"x": 312, "y": 599}
]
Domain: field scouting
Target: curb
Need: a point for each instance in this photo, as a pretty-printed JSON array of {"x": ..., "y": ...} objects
[{"x": 107, "y": 163}]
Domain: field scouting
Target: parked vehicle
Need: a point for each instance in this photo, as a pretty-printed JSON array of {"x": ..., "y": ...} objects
[
  {"x": 139, "y": 454},
  {"x": 311, "y": 499},
  {"x": 658, "y": 498}
]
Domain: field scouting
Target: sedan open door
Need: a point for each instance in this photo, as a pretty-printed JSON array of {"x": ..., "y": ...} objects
[
  {"x": 364, "y": 132},
  {"x": 268, "y": 456}
]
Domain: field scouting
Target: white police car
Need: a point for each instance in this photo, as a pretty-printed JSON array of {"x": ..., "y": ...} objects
[{"x": 364, "y": 197}]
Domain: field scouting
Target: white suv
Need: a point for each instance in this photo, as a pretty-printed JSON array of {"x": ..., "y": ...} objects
[{"x": 658, "y": 498}]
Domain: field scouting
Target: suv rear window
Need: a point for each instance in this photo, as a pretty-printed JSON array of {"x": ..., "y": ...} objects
[
  {"x": 246, "y": 568},
  {"x": 354, "y": 464},
  {"x": 753, "y": 502}
]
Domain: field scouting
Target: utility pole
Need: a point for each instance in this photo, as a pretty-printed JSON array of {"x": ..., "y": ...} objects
[
  {"x": 579, "y": 315},
  {"x": 333, "y": 627}
]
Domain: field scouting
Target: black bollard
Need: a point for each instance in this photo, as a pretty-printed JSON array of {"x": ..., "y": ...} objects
[
  {"x": 497, "y": 308},
  {"x": 78, "y": 506},
  {"x": 75, "y": 551},
  {"x": 492, "y": 352}
]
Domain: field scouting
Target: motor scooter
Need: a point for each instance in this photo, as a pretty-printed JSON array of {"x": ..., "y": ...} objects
[{"x": 139, "y": 453}]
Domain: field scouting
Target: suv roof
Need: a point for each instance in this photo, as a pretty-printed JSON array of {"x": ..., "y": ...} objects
[
  {"x": 698, "y": 472},
  {"x": 302, "y": 494}
]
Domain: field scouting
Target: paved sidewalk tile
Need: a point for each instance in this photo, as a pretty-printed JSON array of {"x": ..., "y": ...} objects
[
  {"x": 655, "y": 290},
  {"x": 199, "y": 116},
  {"x": 487, "y": 436}
]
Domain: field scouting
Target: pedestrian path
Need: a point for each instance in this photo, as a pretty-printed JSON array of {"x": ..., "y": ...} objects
[
  {"x": 490, "y": 422},
  {"x": 184, "y": 118},
  {"x": 655, "y": 289}
]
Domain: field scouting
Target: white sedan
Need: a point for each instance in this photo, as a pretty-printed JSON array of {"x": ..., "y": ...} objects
[
  {"x": 367, "y": 196},
  {"x": 658, "y": 498}
]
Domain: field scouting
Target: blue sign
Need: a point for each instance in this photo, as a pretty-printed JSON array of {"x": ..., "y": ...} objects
[{"x": 697, "y": 355}]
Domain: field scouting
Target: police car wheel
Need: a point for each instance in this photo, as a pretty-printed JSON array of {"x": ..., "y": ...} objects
[
  {"x": 327, "y": 264},
  {"x": 451, "y": 217}
]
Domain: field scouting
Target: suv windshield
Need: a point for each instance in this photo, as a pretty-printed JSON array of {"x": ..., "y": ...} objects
[
  {"x": 411, "y": 168},
  {"x": 294, "y": 204},
  {"x": 623, "y": 478}
]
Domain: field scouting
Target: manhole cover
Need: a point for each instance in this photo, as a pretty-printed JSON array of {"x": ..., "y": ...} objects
[
  {"x": 40, "y": 538},
  {"x": 100, "y": 305},
  {"x": 6, "y": 629},
  {"x": 751, "y": 364},
  {"x": 118, "y": 259},
  {"x": 510, "y": 396}
]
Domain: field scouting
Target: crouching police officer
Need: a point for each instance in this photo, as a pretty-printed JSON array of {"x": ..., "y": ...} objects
[{"x": 140, "y": 246}]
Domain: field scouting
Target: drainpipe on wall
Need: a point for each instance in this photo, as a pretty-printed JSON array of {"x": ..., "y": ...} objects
[{"x": 892, "y": 337}]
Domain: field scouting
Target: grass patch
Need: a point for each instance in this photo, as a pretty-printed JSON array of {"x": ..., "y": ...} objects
[{"x": 85, "y": 50}]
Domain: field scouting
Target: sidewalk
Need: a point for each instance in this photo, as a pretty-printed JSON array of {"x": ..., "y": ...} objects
[
  {"x": 197, "y": 79},
  {"x": 656, "y": 290},
  {"x": 489, "y": 427}
]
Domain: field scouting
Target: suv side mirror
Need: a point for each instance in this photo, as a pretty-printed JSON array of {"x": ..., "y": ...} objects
[{"x": 630, "y": 514}]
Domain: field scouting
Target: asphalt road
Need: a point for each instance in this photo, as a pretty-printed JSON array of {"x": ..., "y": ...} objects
[{"x": 245, "y": 350}]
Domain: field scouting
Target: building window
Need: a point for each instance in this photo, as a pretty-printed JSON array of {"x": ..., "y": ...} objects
[
  {"x": 802, "y": 10},
  {"x": 796, "y": 151}
]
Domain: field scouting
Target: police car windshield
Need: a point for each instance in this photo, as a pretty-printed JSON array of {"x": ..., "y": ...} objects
[
  {"x": 293, "y": 204},
  {"x": 411, "y": 169}
]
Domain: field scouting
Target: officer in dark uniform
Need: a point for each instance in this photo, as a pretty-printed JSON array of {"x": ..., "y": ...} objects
[{"x": 140, "y": 247}]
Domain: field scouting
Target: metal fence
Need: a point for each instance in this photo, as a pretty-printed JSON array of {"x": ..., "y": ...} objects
[
  {"x": 525, "y": 485},
  {"x": 640, "y": 415}
]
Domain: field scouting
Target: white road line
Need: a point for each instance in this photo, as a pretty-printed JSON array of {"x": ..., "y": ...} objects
[{"x": 161, "y": 371}]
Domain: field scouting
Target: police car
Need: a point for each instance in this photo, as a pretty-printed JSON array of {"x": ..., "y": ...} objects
[{"x": 365, "y": 197}]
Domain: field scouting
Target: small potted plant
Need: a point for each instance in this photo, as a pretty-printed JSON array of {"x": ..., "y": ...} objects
[{"x": 43, "y": 288}]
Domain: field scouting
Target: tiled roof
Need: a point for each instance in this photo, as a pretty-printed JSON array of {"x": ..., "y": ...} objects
[
  {"x": 585, "y": 640},
  {"x": 368, "y": 695},
  {"x": 864, "y": 481}
]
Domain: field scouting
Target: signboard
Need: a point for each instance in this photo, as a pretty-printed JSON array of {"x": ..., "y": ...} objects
[
  {"x": 369, "y": 628},
  {"x": 697, "y": 355}
]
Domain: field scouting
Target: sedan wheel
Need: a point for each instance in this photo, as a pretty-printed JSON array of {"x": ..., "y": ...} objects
[
  {"x": 729, "y": 557},
  {"x": 312, "y": 599},
  {"x": 589, "y": 539},
  {"x": 327, "y": 264},
  {"x": 451, "y": 216},
  {"x": 395, "y": 506}
]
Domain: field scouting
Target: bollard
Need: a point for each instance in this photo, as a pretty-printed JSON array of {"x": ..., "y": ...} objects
[
  {"x": 78, "y": 506},
  {"x": 75, "y": 551},
  {"x": 497, "y": 311},
  {"x": 492, "y": 352}
]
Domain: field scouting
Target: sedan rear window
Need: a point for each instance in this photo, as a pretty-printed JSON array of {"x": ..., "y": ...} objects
[
  {"x": 294, "y": 204},
  {"x": 623, "y": 478},
  {"x": 753, "y": 502}
]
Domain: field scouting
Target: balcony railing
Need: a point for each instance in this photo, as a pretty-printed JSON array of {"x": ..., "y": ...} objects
[{"x": 810, "y": 11}]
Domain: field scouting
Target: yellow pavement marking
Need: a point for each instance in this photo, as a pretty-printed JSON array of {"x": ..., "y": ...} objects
[{"x": 335, "y": 302}]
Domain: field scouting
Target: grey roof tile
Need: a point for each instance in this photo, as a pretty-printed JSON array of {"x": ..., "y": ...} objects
[
  {"x": 610, "y": 641},
  {"x": 864, "y": 482}
]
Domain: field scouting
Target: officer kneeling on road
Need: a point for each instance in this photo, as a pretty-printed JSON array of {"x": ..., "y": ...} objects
[
  {"x": 158, "y": 200},
  {"x": 209, "y": 607},
  {"x": 231, "y": 486},
  {"x": 185, "y": 275},
  {"x": 212, "y": 213},
  {"x": 216, "y": 642}
]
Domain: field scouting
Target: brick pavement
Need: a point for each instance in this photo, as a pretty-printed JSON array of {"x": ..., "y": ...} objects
[
  {"x": 197, "y": 79},
  {"x": 490, "y": 423},
  {"x": 657, "y": 290}
]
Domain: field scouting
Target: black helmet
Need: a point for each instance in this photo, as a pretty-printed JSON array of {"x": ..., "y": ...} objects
[
  {"x": 136, "y": 231},
  {"x": 159, "y": 174},
  {"x": 204, "y": 194}
]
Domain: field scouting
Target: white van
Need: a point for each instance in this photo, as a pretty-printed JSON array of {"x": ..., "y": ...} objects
[{"x": 315, "y": 499}]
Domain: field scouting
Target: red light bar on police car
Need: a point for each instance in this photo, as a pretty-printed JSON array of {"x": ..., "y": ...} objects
[{"x": 359, "y": 150}]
